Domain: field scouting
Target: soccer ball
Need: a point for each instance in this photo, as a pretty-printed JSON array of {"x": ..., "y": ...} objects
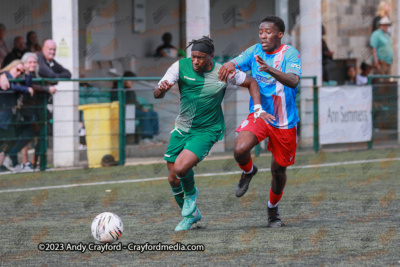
[{"x": 107, "y": 227}]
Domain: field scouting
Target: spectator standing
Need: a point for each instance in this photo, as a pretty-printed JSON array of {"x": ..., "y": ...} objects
[
  {"x": 32, "y": 44},
  {"x": 382, "y": 48},
  {"x": 48, "y": 67},
  {"x": 326, "y": 58},
  {"x": 17, "y": 52},
  {"x": 28, "y": 128},
  {"x": 383, "y": 11},
  {"x": 4, "y": 50},
  {"x": 8, "y": 101}
]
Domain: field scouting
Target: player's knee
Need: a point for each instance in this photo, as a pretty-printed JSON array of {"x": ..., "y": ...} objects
[
  {"x": 180, "y": 171},
  {"x": 239, "y": 151},
  {"x": 173, "y": 181}
]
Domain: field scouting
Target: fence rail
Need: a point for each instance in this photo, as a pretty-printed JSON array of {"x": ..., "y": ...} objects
[{"x": 122, "y": 109}]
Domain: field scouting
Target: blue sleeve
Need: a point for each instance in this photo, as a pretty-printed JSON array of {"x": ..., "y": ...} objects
[
  {"x": 15, "y": 86},
  {"x": 244, "y": 61},
  {"x": 19, "y": 88},
  {"x": 293, "y": 62}
]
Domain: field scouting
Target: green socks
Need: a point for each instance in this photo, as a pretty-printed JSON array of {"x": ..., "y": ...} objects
[
  {"x": 187, "y": 182},
  {"x": 178, "y": 195}
]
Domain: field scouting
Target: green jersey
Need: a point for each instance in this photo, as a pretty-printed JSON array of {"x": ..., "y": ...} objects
[{"x": 201, "y": 97}]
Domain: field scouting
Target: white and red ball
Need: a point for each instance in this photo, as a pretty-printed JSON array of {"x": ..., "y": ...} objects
[{"x": 107, "y": 227}]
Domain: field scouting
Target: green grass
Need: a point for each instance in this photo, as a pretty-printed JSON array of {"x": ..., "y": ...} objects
[{"x": 339, "y": 215}]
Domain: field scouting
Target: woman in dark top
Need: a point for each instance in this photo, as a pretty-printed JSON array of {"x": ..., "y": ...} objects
[
  {"x": 27, "y": 127},
  {"x": 8, "y": 102}
]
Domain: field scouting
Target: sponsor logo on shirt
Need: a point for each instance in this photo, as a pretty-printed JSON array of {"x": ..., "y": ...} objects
[
  {"x": 295, "y": 66},
  {"x": 261, "y": 79},
  {"x": 192, "y": 79}
]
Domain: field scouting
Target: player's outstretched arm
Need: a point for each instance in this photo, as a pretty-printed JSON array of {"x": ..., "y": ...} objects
[
  {"x": 288, "y": 79},
  {"x": 159, "y": 91},
  {"x": 254, "y": 91}
]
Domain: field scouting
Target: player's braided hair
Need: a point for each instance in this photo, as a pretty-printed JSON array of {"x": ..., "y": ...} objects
[{"x": 205, "y": 40}]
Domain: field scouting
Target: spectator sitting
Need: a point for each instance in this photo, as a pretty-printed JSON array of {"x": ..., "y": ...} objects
[
  {"x": 7, "y": 102},
  {"x": 17, "y": 52},
  {"x": 148, "y": 118},
  {"x": 362, "y": 79},
  {"x": 48, "y": 67},
  {"x": 4, "y": 50},
  {"x": 351, "y": 76},
  {"x": 32, "y": 44},
  {"x": 28, "y": 129},
  {"x": 166, "y": 49}
]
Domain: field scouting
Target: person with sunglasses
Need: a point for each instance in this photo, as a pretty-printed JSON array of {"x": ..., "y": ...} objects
[
  {"x": 31, "y": 117},
  {"x": 8, "y": 101}
]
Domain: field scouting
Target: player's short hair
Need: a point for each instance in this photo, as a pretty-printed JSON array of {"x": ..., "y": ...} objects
[
  {"x": 277, "y": 21},
  {"x": 206, "y": 41}
]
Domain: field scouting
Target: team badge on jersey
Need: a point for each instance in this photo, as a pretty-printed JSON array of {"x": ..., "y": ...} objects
[{"x": 244, "y": 123}]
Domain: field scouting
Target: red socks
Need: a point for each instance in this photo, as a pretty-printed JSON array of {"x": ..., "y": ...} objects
[
  {"x": 248, "y": 167},
  {"x": 274, "y": 199}
]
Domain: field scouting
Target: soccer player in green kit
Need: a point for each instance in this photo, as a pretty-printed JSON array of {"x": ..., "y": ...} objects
[{"x": 200, "y": 123}]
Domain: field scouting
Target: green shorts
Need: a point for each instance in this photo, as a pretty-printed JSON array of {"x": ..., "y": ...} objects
[{"x": 200, "y": 143}]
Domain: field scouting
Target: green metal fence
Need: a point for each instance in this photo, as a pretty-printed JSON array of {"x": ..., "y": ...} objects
[
  {"x": 122, "y": 110},
  {"x": 371, "y": 78},
  {"x": 122, "y": 106}
]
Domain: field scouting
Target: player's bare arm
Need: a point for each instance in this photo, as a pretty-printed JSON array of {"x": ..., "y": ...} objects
[
  {"x": 254, "y": 91},
  {"x": 227, "y": 70},
  {"x": 288, "y": 79},
  {"x": 160, "y": 91}
]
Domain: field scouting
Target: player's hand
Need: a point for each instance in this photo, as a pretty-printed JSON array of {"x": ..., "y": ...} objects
[
  {"x": 268, "y": 118},
  {"x": 263, "y": 65},
  {"x": 165, "y": 86},
  {"x": 52, "y": 90},
  {"x": 4, "y": 84},
  {"x": 31, "y": 92},
  {"x": 377, "y": 66},
  {"x": 227, "y": 70}
]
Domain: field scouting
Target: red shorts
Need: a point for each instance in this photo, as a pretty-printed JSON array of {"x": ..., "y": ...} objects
[{"x": 282, "y": 142}]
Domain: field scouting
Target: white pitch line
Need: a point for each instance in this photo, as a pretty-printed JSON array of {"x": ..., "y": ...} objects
[{"x": 197, "y": 175}]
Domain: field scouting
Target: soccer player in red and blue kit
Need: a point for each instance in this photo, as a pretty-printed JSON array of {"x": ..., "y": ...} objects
[{"x": 277, "y": 69}]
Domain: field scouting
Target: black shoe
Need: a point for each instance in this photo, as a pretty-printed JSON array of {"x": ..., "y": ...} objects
[
  {"x": 274, "y": 219},
  {"x": 244, "y": 182},
  {"x": 4, "y": 169}
]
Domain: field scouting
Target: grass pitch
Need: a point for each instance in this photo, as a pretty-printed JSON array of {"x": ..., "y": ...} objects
[{"x": 335, "y": 215}]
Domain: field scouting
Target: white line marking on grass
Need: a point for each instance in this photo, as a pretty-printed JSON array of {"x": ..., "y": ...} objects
[{"x": 197, "y": 175}]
